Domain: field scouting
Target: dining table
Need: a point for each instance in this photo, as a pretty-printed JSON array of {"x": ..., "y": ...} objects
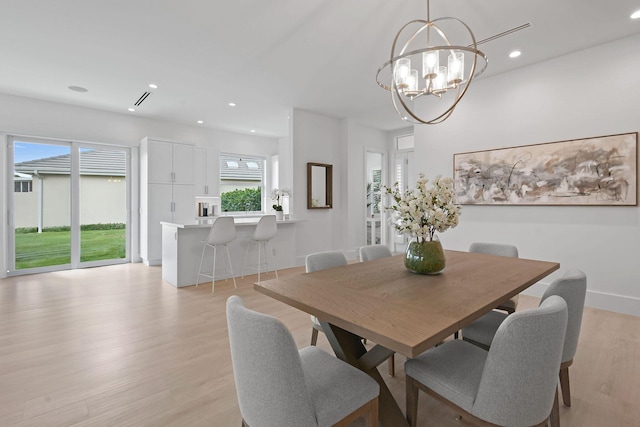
[{"x": 400, "y": 311}]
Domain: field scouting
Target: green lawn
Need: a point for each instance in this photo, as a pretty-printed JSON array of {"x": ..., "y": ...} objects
[{"x": 54, "y": 247}]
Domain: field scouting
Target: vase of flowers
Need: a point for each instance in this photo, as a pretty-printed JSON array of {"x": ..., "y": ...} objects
[
  {"x": 422, "y": 212},
  {"x": 277, "y": 195}
]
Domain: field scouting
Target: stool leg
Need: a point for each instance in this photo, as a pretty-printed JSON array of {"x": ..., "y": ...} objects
[
  {"x": 231, "y": 267},
  {"x": 273, "y": 260},
  {"x": 200, "y": 269},
  {"x": 213, "y": 272},
  {"x": 259, "y": 261}
]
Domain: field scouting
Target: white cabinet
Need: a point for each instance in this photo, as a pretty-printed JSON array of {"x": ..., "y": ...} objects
[
  {"x": 167, "y": 192},
  {"x": 207, "y": 171},
  {"x": 168, "y": 162}
]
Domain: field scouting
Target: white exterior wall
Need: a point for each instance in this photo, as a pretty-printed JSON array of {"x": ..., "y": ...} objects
[
  {"x": 102, "y": 201},
  {"x": 576, "y": 96}
]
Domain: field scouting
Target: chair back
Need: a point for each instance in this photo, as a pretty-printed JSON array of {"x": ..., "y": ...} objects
[
  {"x": 572, "y": 287},
  {"x": 324, "y": 260},
  {"x": 267, "y": 370},
  {"x": 223, "y": 230},
  {"x": 266, "y": 228},
  {"x": 371, "y": 252},
  {"x": 520, "y": 376},
  {"x": 498, "y": 249}
]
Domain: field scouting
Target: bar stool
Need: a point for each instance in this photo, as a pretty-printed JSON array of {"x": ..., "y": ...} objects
[
  {"x": 264, "y": 232},
  {"x": 223, "y": 231}
]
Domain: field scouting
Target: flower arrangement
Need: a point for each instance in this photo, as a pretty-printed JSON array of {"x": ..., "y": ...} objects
[
  {"x": 425, "y": 209},
  {"x": 277, "y": 195}
]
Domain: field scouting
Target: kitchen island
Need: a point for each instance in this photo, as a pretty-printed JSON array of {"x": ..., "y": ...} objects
[{"x": 182, "y": 248}]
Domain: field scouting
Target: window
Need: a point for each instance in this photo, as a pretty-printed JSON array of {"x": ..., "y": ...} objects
[
  {"x": 23, "y": 187},
  {"x": 404, "y": 142},
  {"x": 22, "y": 183},
  {"x": 241, "y": 183}
]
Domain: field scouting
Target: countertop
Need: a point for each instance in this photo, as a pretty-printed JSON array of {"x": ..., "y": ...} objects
[{"x": 238, "y": 220}]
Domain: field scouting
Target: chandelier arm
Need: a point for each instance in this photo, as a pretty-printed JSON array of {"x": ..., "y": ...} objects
[{"x": 395, "y": 40}]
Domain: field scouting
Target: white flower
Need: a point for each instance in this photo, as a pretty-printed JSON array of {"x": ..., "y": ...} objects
[
  {"x": 424, "y": 210},
  {"x": 277, "y": 195}
]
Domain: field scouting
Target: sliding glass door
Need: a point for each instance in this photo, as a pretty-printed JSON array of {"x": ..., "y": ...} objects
[{"x": 69, "y": 205}]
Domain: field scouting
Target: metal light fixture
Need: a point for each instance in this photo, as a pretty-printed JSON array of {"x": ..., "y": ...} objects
[{"x": 430, "y": 64}]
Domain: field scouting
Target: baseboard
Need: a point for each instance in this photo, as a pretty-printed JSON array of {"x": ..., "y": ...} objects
[{"x": 600, "y": 300}]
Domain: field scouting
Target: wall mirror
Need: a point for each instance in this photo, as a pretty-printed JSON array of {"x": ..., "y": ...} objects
[{"x": 319, "y": 186}]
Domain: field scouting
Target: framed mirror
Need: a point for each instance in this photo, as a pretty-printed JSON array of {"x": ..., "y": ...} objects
[{"x": 319, "y": 186}]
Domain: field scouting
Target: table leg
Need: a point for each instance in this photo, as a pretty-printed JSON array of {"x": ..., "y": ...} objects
[{"x": 349, "y": 348}]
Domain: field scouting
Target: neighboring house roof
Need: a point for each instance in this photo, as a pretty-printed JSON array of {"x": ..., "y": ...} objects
[
  {"x": 241, "y": 168},
  {"x": 92, "y": 162}
]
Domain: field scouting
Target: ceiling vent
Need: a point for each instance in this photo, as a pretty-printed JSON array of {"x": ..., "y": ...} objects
[
  {"x": 505, "y": 33},
  {"x": 142, "y": 98}
]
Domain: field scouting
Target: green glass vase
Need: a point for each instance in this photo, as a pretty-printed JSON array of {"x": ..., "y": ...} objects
[{"x": 425, "y": 257}]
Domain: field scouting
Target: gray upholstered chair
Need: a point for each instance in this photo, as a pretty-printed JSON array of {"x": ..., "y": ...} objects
[
  {"x": 371, "y": 252},
  {"x": 498, "y": 249},
  {"x": 279, "y": 386},
  {"x": 223, "y": 231},
  {"x": 322, "y": 261},
  {"x": 572, "y": 286},
  {"x": 266, "y": 229},
  {"x": 514, "y": 383}
]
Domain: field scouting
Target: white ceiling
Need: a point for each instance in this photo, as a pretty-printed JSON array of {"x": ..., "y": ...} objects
[{"x": 268, "y": 56}]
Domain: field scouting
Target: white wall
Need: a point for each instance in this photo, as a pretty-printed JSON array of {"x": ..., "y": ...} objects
[
  {"x": 316, "y": 138},
  {"x": 24, "y": 116},
  {"x": 593, "y": 92}
]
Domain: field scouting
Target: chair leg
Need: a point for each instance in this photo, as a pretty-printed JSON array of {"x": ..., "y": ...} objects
[
  {"x": 412, "y": 401},
  {"x": 564, "y": 386},
  {"x": 233, "y": 275},
  {"x": 314, "y": 336},
  {"x": 392, "y": 365},
  {"x": 555, "y": 412},
  {"x": 373, "y": 420}
]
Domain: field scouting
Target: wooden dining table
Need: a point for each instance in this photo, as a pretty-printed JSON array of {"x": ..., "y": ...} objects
[{"x": 401, "y": 311}]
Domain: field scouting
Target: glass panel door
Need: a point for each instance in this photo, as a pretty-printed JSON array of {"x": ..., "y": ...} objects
[
  {"x": 41, "y": 205},
  {"x": 103, "y": 204},
  {"x": 69, "y": 205},
  {"x": 374, "y": 211},
  {"x": 404, "y": 175}
]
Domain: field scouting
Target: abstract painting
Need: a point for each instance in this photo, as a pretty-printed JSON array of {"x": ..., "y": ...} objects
[{"x": 592, "y": 171}]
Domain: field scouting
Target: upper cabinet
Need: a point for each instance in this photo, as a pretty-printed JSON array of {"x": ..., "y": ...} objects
[
  {"x": 206, "y": 169},
  {"x": 167, "y": 162}
]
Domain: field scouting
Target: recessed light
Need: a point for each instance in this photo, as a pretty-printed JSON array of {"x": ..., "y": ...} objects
[
  {"x": 78, "y": 89},
  {"x": 200, "y": 122},
  {"x": 153, "y": 86},
  {"x": 515, "y": 54},
  {"x": 131, "y": 109},
  {"x": 635, "y": 15},
  {"x": 232, "y": 104},
  {"x": 253, "y": 131}
]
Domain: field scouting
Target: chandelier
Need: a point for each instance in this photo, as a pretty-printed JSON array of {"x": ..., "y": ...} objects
[{"x": 430, "y": 67}]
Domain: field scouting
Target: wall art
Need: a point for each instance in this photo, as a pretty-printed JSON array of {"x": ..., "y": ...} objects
[{"x": 600, "y": 171}]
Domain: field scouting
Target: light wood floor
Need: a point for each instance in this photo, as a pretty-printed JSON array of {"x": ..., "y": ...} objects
[{"x": 116, "y": 346}]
